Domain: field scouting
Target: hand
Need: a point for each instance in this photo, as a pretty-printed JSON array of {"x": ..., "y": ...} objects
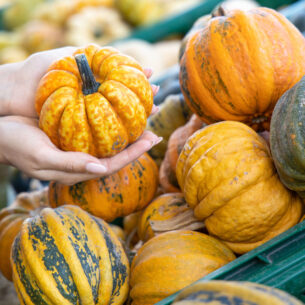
[
  {"x": 25, "y": 146},
  {"x": 19, "y": 81}
]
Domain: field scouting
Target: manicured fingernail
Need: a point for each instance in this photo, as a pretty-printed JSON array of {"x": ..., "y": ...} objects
[
  {"x": 96, "y": 168},
  {"x": 157, "y": 141},
  {"x": 155, "y": 109},
  {"x": 155, "y": 88},
  {"x": 149, "y": 72}
]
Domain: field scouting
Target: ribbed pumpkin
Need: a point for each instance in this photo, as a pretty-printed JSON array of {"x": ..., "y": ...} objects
[
  {"x": 99, "y": 113},
  {"x": 173, "y": 260},
  {"x": 166, "y": 213},
  {"x": 238, "y": 66},
  {"x": 66, "y": 256},
  {"x": 233, "y": 293},
  {"x": 173, "y": 113},
  {"x": 228, "y": 177},
  {"x": 117, "y": 195},
  {"x": 11, "y": 218},
  {"x": 167, "y": 174},
  {"x": 287, "y": 137}
]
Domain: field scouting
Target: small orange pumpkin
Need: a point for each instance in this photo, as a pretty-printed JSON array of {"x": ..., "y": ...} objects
[
  {"x": 167, "y": 174},
  {"x": 11, "y": 219},
  {"x": 238, "y": 66},
  {"x": 127, "y": 191},
  {"x": 99, "y": 113}
]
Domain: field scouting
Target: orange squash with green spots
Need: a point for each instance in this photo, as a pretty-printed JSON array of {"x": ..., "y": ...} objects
[
  {"x": 238, "y": 66},
  {"x": 96, "y": 101},
  {"x": 66, "y": 256},
  {"x": 127, "y": 191},
  {"x": 11, "y": 219}
]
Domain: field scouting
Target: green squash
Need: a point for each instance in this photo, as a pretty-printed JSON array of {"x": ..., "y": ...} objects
[{"x": 287, "y": 137}]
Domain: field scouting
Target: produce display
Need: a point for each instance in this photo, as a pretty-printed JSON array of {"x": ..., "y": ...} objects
[{"x": 227, "y": 178}]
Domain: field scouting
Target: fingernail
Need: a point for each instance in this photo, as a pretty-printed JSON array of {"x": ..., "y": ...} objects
[
  {"x": 96, "y": 168},
  {"x": 149, "y": 72},
  {"x": 155, "y": 88},
  {"x": 156, "y": 109},
  {"x": 157, "y": 141}
]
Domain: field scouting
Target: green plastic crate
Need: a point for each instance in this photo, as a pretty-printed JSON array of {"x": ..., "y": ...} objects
[{"x": 279, "y": 263}]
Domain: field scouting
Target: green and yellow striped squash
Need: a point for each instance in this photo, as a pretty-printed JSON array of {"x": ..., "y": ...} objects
[
  {"x": 65, "y": 256},
  {"x": 232, "y": 293}
]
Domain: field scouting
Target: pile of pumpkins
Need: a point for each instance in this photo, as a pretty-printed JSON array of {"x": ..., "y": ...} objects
[{"x": 218, "y": 187}]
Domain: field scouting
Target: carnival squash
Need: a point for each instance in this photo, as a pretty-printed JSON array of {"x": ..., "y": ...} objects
[
  {"x": 117, "y": 195},
  {"x": 167, "y": 173},
  {"x": 233, "y": 293},
  {"x": 173, "y": 113},
  {"x": 67, "y": 256},
  {"x": 166, "y": 213},
  {"x": 173, "y": 260},
  {"x": 227, "y": 175},
  {"x": 287, "y": 137},
  {"x": 238, "y": 66},
  {"x": 98, "y": 114},
  {"x": 11, "y": 218}
]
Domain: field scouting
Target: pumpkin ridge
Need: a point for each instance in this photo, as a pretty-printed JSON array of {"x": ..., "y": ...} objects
[
  {"x": 97, "y": 68},
  {"x": 244, "y": 189},
  {"x": 129, "y": 67}
]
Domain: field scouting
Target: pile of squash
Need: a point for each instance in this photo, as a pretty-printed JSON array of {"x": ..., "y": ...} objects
[{"x": 215, "y": 188}]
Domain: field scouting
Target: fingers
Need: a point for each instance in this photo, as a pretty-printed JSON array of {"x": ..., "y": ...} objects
[
  {"x": 133, "y": 152},
  {"x": 154, "y": 110},
  {"x": 73, "y": 167},
  {"x": 155, "y": 89},
  {"x": 148, "y": 72}
]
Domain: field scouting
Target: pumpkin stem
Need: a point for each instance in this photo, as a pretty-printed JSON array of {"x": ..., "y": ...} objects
[
  {"x": 219, "y": 12},
  {"x": 90, "y": 85}
]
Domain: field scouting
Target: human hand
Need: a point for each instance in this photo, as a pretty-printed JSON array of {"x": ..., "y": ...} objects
[
  {"x": 25, "y": 146},
  {"x": 20, "y": 81}
]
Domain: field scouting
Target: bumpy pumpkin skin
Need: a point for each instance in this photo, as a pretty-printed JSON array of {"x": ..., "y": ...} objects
[
  {"x": 166, "y": 213},
  {"x": 238, "y": 66},
  {"x": 231, "y": 293},
  {"x": 11, "y": 218},
  {"x": 102, "y": 123},
  {"x": 117, "y": 195},
  {"x": 172, "y": 261},
  {"x": 167, "y": 174},
  {"x": 66, "y": 256},
  {"x": 287, "y": 137},
  {"x": 228, "y": 177}
]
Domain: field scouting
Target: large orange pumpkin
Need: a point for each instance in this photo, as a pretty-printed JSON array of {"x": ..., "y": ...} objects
[
  {"x": 99, "y": 113},
  {"x": 172, "y": 261},
  {"x": 11, "y": 219},
  {"x": 117, "y": 195},
  {"x": 238, "y": 66},
  {"x": 227, "y": 175}
]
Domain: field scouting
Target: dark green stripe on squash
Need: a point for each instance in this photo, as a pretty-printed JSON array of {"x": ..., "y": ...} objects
[
  {"x": 88, "y": 260},
  {"x": 119, "y": 270}
]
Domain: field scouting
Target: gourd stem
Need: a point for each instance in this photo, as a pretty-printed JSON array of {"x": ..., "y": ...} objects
[{"x": 90, "y": 85}]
